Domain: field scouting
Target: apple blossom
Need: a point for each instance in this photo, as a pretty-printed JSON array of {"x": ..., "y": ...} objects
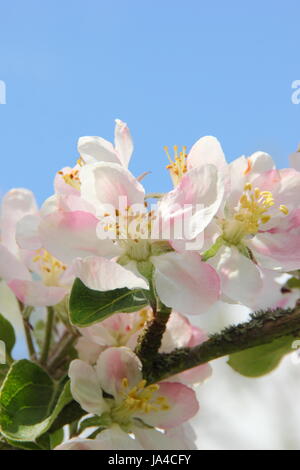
[
  {"x": 114, "y": 389},
  {"x": 257, "y": 227},
  {"x": 35, "y": 276}
]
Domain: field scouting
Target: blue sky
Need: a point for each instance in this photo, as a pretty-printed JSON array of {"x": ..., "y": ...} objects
[{"x": 173, "y": 70}]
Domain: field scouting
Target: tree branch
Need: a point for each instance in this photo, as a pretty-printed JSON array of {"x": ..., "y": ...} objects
[
  {"x": 263, "y": 328},
  {"x": 150, "y": 340}
]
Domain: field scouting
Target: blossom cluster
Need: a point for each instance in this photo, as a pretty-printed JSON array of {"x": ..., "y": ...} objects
[{"x": 225, "y": 232}]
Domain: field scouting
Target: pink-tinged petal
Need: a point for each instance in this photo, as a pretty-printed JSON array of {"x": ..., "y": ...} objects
[
  {"x": 198, "y": 374},
  {"x": 207, "y": 150},
  {"x": 15, "y": 205},
  {"x": 123, "y": 142},
  {"x": 243, "y": 170},
  {"x": 260, "y": 162},
  {"x": 73, "y": 203},
  {"x": 36, "y": 294},
  {"x": 185, "y": 283},
  {"x": 153, "y": 439},
  {"x": 87, "y": 350},
  {"x": 68, "y": 235},
  {"x": 102, "y": 274},
  {"x": 193, "y": 203},
  {"x": 271, "y": 291},
  {"x": 115, "y": 364},
  {"x": 194, "y": 376},
  {"x": 295, "y": 160},
  {"x": 79, "y": 444},
  {"x": 178, "y": 333},
  {"x": 182, "y": 406},
  {"x": 108, "y": 185},
  {"x": 278, "y": 250},
  {"x": 11, "y": 268},
  {"x": 85, "y": 387},
  {"x": 198, "y": 336},
  {"x": 241, "y": 279},
  {"x": 185, "y": 435},
  {"x": 27, "y": 232},
  {"x": 95, "y": 148},
  {"x": 109, "y": 439},
  {"x": 60, "y": 185}
]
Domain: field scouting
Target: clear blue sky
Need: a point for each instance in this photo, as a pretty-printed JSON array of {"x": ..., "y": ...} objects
[{"x": 174, "y": 70}]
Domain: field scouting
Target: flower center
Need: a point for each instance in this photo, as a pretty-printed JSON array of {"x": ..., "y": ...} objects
[
  {"x": 252, "y": 211},
  {"x": 123, "y": 335},
  {"x": 72, "y": 178},
  {"x": 177, "y": 166},
  {"x": 139, "y": 399},
  {"x": 131, "y": 230},
  {"x": 51, "y": 268}
]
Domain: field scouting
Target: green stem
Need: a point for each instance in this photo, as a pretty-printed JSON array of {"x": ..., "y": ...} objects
[
  {"x": 263, "y": 328},
  {"x": 213, "y": 250},
  {"x": 48, "y": 335}
]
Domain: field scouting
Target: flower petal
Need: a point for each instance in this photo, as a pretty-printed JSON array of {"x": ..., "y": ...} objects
[
  {"x": 93, "y": 148},
  {"x": 85, "y": 387},
  {"x": 178, "y": 333},
  {"x": 182, "y": 406},
  {"x": 193, "y": 203},
  {"x": 68, "y": 235},
  {"x": 115, "y": 364},
  {"x": 11, "y": 268},
  {"x": 123, "y": 142},
  {"x": 108, "y": 185},
  {"x": 109, "y": 439},
  {"x": 241, "y": 279},
  {"x": 15, "y": 205},
  {"x": 102, "y": 274},
  {"x": 27, "y": 232},
  {"x": 185, "y": 283},
  {"x": 207, "y": 150},
  {"x": 36, "y": 294}
]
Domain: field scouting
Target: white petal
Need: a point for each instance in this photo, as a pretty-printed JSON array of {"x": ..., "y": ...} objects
[
  {"x": 93, "y": 148},
  {"x": 109, "y": 184},
  {"x": 207, "y": 150},
  {"x": 185, "y": 283},
  {"x": 102, "y": 274},
  {"x": 241, "y": 279},
  {"x": 123, "y": 142},
  {"x": 27, "y": 232},
  {"x": 85, "y": 387}
]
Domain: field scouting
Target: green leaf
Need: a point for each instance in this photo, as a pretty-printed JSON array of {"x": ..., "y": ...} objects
[
  {"x": 30, "y": 401},
  {"x": 56, "y": 438},
  {"x": 7, "y": 334},
  {"x": 261, "y": 360},
  {"x": 3, "y": 371},
  {"x": 293, "y": 283},
  {"x": 88, "y": 306}
]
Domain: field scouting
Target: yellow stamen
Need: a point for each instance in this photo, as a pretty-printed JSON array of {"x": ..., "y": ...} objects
[
  {"x": 51, "y": 268},
  {"x": 283, "y": 209},
  {"x": 178, "y": 165}
]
